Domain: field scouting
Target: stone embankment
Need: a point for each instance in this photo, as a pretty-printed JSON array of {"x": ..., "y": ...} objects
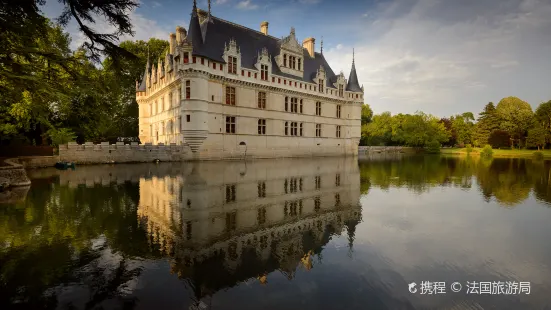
[
  {"x": 14, "y": 182},
  {"x": 384, "y": 149}
]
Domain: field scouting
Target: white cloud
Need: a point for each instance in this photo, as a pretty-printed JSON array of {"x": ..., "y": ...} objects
[
  {"x": 156, "y": 4},
  {"x": 220, "y": 1},
  {"x": 247, "y": 5},
  {"x": 446, "y": 58}
]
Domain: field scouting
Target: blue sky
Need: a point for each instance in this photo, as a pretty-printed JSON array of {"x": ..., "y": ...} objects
[{"x": 442, "y": 57}]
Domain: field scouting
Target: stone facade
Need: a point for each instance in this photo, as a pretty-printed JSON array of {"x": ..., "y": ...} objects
[{"x": 219, "y": 107}]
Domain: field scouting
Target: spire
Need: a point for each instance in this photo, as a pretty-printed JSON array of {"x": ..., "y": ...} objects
[
  {"x": 353, "y": 84},
  {"x": 194, "y": 31},
  {"x": 143, "y": 84},
  {"x": 321, "y": 50},
  {"x": 209, "y": 8}
]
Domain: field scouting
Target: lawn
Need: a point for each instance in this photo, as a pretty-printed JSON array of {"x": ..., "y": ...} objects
[{"x": 498, "y": 153}]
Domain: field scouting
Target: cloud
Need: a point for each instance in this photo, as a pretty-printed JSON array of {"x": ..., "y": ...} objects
[
  {"x": 449, "y": 57},
  {"x": 247, "y": 5},
  {"x": 309, "y": 1},
  {"x": 220, "y": 1},
  {"x": 156, "y": 4}
]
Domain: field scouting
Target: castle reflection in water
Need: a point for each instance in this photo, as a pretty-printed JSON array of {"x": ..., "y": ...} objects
[{"x": 226, "y": 222}]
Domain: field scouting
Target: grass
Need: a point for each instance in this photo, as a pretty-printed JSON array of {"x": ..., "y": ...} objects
[{"x": 498, "y": 153}]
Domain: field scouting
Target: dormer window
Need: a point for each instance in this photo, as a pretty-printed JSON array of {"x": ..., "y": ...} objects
[
  {"x": 299, "y": 64},
  {"x": 285, "y": 60},
  {"x": 232, "y": 65},
  {"x": 186, "y": 58},
  {"x": 320, "y": 85},
  {"x": 264, "y": 72},
  {"x": 341, "y": 90}
]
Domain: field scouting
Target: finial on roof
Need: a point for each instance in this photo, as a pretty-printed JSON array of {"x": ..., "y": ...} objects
[
  {"x": 194, "y": 6},
  {"x": 209, "y": 7},
  {"x": 321, "y": 51},
  {"x": 352, "y": 55}
]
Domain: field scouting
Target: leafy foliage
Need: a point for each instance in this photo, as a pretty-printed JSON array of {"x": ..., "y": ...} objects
[
  {"x": 536, "y": 136},
  {"x": 499, "y": 139},
  {"x": 469, "y": 148},
  {"x": 538, "y": 155},
  {"x": 487, "y": 151},
  {"x": 515, "y": 117},
  {"x": 61, "y": 136},
  {"x": 433, "y": 147}
]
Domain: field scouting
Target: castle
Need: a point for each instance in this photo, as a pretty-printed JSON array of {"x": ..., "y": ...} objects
[{"x": 224, "y": 90}]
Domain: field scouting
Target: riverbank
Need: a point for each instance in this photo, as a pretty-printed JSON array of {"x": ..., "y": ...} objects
[{"x": 498, "y": 153}]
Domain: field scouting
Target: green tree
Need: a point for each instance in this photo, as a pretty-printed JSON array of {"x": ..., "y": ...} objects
[
  {"x": 543, "y": 117},
  {"x": 487, "y": 122},
  {"x": 379, "y": 130},
  {"x": 536, "y": 136},
  {"x": 463, "y": 126},
  {"x": 367, "y": 114},
  {"x": 515, "y": 116},
  {"x": 418, "y": 129}
]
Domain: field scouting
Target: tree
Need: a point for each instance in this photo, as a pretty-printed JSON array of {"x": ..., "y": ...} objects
[
  {"x": 499, "y": 139},
  {"x": 449, "y": 127},
  {"x": 367, "y": 114},
  {"x": 515, "y": 116},
  {"x": 379, "y": 130},
  {"x": 487, "y": 122},
  {"x": 536, "y": 136},
  {"x": 418, "y": 129},
  {"x": 463, "y": 126},
  {"x": 543, "y": 117}
]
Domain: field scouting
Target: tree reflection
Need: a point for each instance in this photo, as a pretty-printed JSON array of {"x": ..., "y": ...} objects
[{"x": 508, "y": 181}]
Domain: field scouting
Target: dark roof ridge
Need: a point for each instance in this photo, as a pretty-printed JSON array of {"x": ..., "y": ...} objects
[{"x": 247, "y": 28}]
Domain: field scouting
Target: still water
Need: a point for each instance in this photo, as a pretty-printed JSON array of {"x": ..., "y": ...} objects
[{"x": 329, "y": 233}]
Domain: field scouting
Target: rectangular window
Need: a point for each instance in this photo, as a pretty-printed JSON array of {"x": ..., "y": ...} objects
[
  {"x": 230, "y": 196},
  {"x": 320, "y": 85},
  {"x": 295, "y": 84},
  {"x": 318, "y": 182},
  {"x": 338, "y": 133},
  {"x": 186, "y": 58},
  {"x": 300, "y": 106},
  {"x": 232, "y": 65},
  {"x": 294, "y": 129},
  {"x": 230, "y": 95},
  {"x": 285, "y": 60},
  {"x": 278, "y": 80},
  {"x": 273, "y": 79},
  {"x": 180, "y": 122},
  {"x": 188, "y": 89},
  {"x": 243, "y": 72},
  {"x": 221, "y": 67},
  {"x": 299, "y": 64},
  {"x": 230, "y": 124},
  {"x": 286, "y": 103},
  {"x": 248, "y": 74},
  {"x": 286, "y": 128},
  {"x": 179, "y": 95},
  {"x": 194, "y": 59},
  {"x": 169, "y": 100},
  {"x": 284, "y": 82},
  {"x": 318, "y": 130},
  {"x": 188, "y": 118},
  {"x": 256, "y": 75},
  {"x": 202, "y": 61},
  {"x": 301, "y": 136},
  {"x": 261, "y": 126},
  {"x": 162, "y": 103},
  {"x": 262, "y": 211},
  {"x": 341, "y": 90},
  {"x": 318, "y": 108},
  {"x": 338, "y": 111},
  {"x": 261, "y": 100},
  {"x": 214, "y": 65},
  {"x": 262, "y": 194}
]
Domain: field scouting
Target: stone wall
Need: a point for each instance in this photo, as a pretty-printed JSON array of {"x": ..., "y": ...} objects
[
  {"x": 90, "y": 153},
  {"x": 14, "y": 183},
  {"x": 29, "y": 162}
]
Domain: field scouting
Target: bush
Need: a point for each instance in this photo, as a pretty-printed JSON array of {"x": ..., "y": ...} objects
[
  {"x": 61, "y": 136},
  {"x": 487, "y": 151},
  {"x": 538, "y": 155},
  {"x": 469, "y": 148},
  {"x": 433, "y": 147}
]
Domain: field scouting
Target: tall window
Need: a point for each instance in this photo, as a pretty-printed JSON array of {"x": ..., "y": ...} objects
[
  {"x": 285, "y": 60},
  {"x": 261, "y": 126},
  {"x": 318, "y": 108},
  {"x": 170, "y": 100},
  {"x": 300, "y": 129},
  {"x": 162, "y": 104},
  {"x": 300, "y": 106},
  {"x": 294, "y": 129},
  {"x": 320, "y": 85},
  {"x": 264, "y": 72},
  {"x": 294, "y": 105},
  {"x": 232, "y": 65},
  {"x": 338, "y": 111},
  {"x": 341, "y": 90},
  {"x": 188, "y": 89},
  {"x": 299, "y": 64},
  {"x": 162, "y": 128},
  {"x": 286, "y": 128},
  {"x": 292, "y": 62},
  {"x": 180, "y": 125},
  {"x": 286, "y": 103},
  {"x": 186, "y": 58},
  {"x": 318, "y": 130},
  {"x": 261, "y": 100},
  {"x": 179, "y": 95},
  {"x": 230, "y": 124},
  {"x": 338, "y": 133},
  {"x": 230, "y": 95}
]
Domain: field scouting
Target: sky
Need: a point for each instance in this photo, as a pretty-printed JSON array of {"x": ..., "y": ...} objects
[{"x": 442, "y": 57}]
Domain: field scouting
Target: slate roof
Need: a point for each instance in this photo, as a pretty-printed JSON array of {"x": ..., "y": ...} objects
[
  {"x": 353, "y": 84},
  {"x": 218, "y": 32}
]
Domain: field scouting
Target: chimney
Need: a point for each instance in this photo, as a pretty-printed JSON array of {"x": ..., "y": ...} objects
[
  {"x": 181, "y": 33},
  {"x": 172, "y": 42},
  {"x": 264, "y": 27},
  {"x": 308, "y": 44}
]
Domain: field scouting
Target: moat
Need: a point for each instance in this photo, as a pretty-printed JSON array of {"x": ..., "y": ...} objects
[{"x": 326, "y": 233}]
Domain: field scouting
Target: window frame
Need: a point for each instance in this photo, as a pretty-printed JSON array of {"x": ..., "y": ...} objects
[
  {"x": 230, "y": 95},
  {"x": 230, "y": 124}
]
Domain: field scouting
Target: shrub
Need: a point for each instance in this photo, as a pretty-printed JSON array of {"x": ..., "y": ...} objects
[
  {"x": 538, "y": 155},
  {"x": 487, "y": 151},
  {"x": 433, "y": 147},
  {"x": 469, "y": 148},
  {"x": 61, "y": 136}
]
